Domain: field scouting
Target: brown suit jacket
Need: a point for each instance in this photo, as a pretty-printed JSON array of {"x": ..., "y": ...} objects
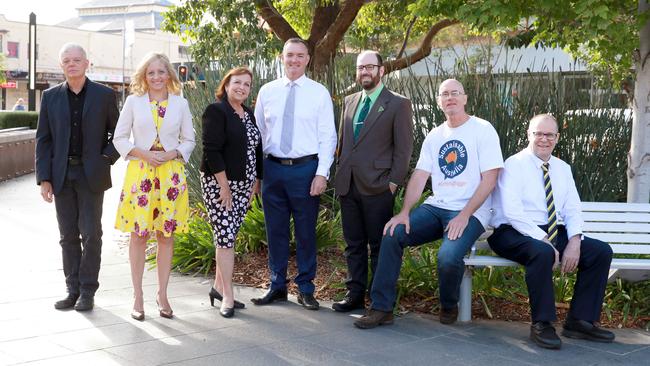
[{"x": 383, "y": 149}]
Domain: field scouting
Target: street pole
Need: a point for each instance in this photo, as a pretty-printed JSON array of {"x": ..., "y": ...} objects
[{"x": 31, "y": 96}]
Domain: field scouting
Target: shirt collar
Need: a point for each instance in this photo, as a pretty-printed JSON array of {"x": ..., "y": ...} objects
[
  {"x": 300, "y": 81},
  {"x": 538, "y": 162},
  {"x": 375, "y": 94}
]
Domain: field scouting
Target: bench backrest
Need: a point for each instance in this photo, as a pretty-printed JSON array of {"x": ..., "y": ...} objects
[{"x": 625, "y": 226}]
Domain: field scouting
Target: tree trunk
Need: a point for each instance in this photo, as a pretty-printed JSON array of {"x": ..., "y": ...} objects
[{"x": 638, "y": 171}]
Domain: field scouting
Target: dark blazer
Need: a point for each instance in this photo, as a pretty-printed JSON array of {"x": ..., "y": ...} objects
[
  {"x": 383, "y": 148},
  {"x": 225, "y": 142},
  {"x": 98, "y": 121}
]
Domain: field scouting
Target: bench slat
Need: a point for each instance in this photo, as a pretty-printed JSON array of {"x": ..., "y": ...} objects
[
  {"x": 617, "y": 248},
  {"x": 617, "y": 263},
  {"x": 616, "y": 217},
  {"x": 621, "y": 238},
  {"x": 615, "y": 227},
  {"x": 615, "y": 207}
]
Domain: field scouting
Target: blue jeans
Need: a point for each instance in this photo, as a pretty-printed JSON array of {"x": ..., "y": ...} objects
[{"x": 427, "y": 223}]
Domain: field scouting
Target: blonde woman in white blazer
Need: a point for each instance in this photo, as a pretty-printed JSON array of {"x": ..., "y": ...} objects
[{"x": 154, "y": 198}]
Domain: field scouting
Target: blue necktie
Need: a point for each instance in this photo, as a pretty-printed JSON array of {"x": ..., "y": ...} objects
[{"x": 286, "y": 138}]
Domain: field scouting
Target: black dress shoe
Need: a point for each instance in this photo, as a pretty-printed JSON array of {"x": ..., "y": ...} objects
[
  {"x": 580, "y": 329},
  {"x": 349, "y": 303},
  {"x": 374, "y": 318},
  {"x": 308, "y": 301},
  {"x": 271, "y": 296},
  {"x": 66, "y": 303},
  {"x": 85, "y": 303},
  {"x": 214, "y": 294},
  {"x": 543, "y": 334},
  {"x": 227, "y": 312},
  {"x": 448, "y": 316}
]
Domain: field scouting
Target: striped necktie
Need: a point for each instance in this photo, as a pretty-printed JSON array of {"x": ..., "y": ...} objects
[
  {"x": 550, "y": 206},
  {"x": 363, "y": 113}
]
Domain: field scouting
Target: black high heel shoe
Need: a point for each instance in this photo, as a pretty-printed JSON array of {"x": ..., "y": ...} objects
[{"x": 214, "y": 294}]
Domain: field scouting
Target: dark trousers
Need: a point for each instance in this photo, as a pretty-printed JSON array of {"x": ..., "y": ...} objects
[
  {"x": 363, "y": 219},
  {"x": 538, "y": 258},
  {"x": 285, "y": 193},
  {"x": 79, "y": 214}
]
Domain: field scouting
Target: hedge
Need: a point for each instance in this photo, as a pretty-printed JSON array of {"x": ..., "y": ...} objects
[{"x": 18, "y": 119}]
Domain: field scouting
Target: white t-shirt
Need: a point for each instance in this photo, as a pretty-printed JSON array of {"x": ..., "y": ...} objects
[{"x": 456, "y": 157}]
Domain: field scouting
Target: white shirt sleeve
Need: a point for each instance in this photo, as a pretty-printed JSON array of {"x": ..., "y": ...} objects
[
  {"x": 425, "y": 161},
  {"x": 571, "y": 210},
  {"x": 511, "y": 187},
  {"x": 259, "y": 114},
  {"x": 326, "y": 135},
  {"x": 489, "y": 153}
]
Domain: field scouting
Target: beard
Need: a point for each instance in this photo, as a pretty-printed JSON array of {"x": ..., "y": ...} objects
[{"x": 369, "y": 84}]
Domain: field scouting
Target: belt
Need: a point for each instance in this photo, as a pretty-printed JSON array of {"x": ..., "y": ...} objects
[
  {"x": 74, "y": 160},
  {"x": 288, "y": 161}
]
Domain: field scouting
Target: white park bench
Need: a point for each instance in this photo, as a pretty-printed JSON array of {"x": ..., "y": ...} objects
[{"x": 625, "y": 226}]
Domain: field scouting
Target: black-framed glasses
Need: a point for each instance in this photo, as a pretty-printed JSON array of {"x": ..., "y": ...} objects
[
  {"x": 453, "y": 93},
  {"x": 369, "y": 67},
  {"x": 547, "y": 135}
]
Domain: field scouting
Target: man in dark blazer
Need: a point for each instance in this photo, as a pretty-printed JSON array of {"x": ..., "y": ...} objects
[
  {"x": 375, "y": 146},
  {"x": 74, "y": 152}
]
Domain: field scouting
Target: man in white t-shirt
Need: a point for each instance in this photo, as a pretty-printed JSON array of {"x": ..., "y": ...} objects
[
  {"x": 463, "y": 157},
  {"x": 538, "y": 223}
]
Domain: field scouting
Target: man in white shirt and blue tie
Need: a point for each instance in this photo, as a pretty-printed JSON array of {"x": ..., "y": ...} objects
[
  {"x": 539, "y": 225},
  {"x": 296, "y": 120}
]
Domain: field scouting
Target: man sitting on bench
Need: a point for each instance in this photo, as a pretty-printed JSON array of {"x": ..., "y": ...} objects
[{"x": 534, "y": 192}]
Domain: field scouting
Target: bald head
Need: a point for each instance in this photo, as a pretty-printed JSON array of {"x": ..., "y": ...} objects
[
  {"x": 452, "y": 84},
  {"x": 541, "y": 118}
]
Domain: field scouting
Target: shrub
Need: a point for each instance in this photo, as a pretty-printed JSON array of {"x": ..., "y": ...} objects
[{"x": 18, "y": 119}]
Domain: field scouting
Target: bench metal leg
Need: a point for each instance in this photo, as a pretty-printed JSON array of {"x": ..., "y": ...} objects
[{"x": 465, "y": 303}]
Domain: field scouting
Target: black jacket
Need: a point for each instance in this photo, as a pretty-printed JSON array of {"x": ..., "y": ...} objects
[
  {"x": 98, "y": 122},
  {"x": 225, "y": 142}
]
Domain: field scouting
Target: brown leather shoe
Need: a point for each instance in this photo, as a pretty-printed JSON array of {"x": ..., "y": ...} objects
[
  {"x": 374, "y": 318},
  {"x": 448, "y": 316}
]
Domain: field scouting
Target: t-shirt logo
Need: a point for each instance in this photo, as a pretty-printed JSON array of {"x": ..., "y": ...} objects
[{"x": 452, "y": 158}]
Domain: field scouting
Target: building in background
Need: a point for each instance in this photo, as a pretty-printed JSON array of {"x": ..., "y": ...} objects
[{"x": 102, "y": 27}]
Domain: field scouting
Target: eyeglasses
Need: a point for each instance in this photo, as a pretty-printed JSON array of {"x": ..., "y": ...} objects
[
  {"x": 369, "y": 67},
  {"x": 453, "y": 93},
  {"x": 550, "y": 136}
]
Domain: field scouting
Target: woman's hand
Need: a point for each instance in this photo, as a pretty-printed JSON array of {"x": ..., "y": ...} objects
[
  {"x": 255, "y": 191},
  {"x": 169, "y": 155},
  {"x": 154, "y": 158},
  {"x": 225, "y": 197}
]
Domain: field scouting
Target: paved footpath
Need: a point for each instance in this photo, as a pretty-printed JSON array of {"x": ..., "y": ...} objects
[{"x": 32, "y": 332}]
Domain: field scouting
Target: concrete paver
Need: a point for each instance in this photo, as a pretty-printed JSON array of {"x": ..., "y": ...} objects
[{"x": 33, "y": 332}]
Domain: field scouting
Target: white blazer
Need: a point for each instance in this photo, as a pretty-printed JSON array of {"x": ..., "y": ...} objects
[{"x": 176, "y": 132}]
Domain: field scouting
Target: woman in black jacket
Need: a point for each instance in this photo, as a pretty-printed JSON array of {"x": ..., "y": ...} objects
[{"x": 231, "y": 170}]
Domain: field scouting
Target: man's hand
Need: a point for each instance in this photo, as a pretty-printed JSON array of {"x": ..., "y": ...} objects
[
  {"x": 400, "y": 218},
  {"x": 46, "y": 191},
  {"x": 393, "y": 187},
  {"x": 557, "y": 254},
  {"x": 318, "y": 185},
  {"x": 456, "y": 226},
  {"x": 571, "y": 255}
]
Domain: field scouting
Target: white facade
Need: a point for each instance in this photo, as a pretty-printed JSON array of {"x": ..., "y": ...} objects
[{"x": 105, "y": 53}]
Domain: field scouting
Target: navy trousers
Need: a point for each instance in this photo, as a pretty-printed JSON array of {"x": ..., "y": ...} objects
[
  {"x": 79, "y": 214},
  {"x": 285, "y": 193},
  {"x": 538, "y": 258}
]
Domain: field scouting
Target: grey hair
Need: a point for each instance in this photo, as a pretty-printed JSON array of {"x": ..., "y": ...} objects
[{"x": 72, "y": 46}]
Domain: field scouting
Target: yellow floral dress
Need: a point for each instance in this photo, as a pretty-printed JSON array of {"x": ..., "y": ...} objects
[{"x": 154, "y": 198}]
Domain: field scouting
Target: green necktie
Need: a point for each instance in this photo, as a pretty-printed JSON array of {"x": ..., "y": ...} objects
[
  {"x": 550, "y": 206},
  {"x": 362, "y": 117}
]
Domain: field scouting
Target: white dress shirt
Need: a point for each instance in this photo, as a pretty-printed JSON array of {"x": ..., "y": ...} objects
[
  {"x": 314, "y": 130},
  {"x": 520, "y": 199}
]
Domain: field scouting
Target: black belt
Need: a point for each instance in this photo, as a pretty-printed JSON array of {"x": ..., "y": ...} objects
[
  {"x": 74, "y": 160},
  {"x": 288, "y": 161}
]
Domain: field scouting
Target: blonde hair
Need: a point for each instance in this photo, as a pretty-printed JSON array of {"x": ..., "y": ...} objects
[
  {"x": 139, "y": 85},
  {"x": 221, "y": 89}
]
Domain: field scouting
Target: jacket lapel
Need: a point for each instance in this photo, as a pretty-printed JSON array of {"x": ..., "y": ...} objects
[
  {"x": 349, "y": 116},
  {"x": 64, "y": 104},
  {"x": 376, "y": 111},
  {"x": 89, "y": 100}
]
